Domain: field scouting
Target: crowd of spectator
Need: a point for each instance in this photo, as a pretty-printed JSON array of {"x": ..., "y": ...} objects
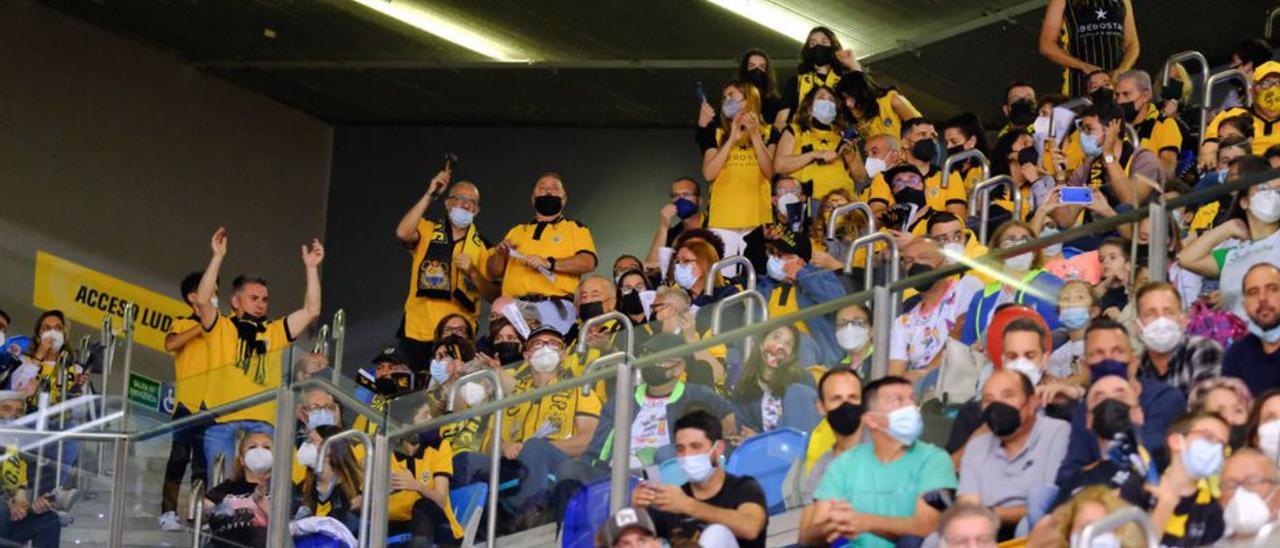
[{"x": 1069, "y": 385}]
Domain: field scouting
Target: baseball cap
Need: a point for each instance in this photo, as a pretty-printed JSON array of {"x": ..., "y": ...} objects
[
  {"x": 627, "y": 518},
  {"x": 1266, "y": 69},
  {"x": 391, "y": 354},
  {"x": 545, "y": 328}
]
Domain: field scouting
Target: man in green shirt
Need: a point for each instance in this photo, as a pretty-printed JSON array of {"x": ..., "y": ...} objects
[{"x": 890, "y": 488}]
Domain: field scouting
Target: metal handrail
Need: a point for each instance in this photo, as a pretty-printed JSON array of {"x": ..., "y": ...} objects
[
  {"x": 1271, "y": 18},
  {"x": 718, "y": 310},
  {"x": 865, "y": 208},
  {"x": 1206, "y": 103},
  {"x": 60, "y": 370},
  {"x": 1078, "y": 102},
  {"x": 598, "y": 320},
  {"x": 983, "y": 189},
  {"x": 870, "y": 240},
  {"x": 495, "y": 458},
  {"x": 130, "y": 325},
  {"x": 1190, "y": 55},
  {"x": 602, "y": 362},
  {"x": 1116, "y": 519},
  {"x": 366, "y": 488},
  {"x": 195, "y": 513},
  {"x": 731, "y": 260},
  {"x": 321, "y": 343},
  {"x": 966, "y": 155},
  {"x": 339, "y": 343},
  {"x": 108, "y": 338}
]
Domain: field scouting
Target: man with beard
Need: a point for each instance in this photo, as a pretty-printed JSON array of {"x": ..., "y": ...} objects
[{"x": 1255, "y": 359}]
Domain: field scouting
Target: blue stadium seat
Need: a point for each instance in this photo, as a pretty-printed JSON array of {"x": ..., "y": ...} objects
[
  {"x": 468, "y": 505},
  {"x": 670, "y": 472},
  {"x": 587, "y": 511},
  {"x": 767, "y": 458}
]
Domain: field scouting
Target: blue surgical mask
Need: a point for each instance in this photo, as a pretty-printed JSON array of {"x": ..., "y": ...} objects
[
  {"x": 1074, "y": 317},
  {"x": 321, "y": 417},
  {"x": 731, "y": 108},
  {"x": 1108, "y": 367},
  {"x": 684, "y": 276},
  {"x": 1269, "y": 336},
  {"x": 776, "y": 268},
  {"x": 461, "y": 218},
  {"x": 439, "y": 371},
  {"x": 1202, "y": 458},
  {"x": 1090, "y": 145},
  {"x": 824, "y": 111},
  {"x": 685, "y": 208},
  {"x": 906, "y": 424}
]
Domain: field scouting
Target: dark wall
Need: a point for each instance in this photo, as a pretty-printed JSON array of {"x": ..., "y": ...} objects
[
  {"x": 121, "y": 158},
  {"x": 616, "y": 180}
]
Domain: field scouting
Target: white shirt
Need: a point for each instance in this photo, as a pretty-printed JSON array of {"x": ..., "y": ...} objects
[
  {"x": 1064, "y": 357},
  {"x": 649, "y": 431},
  {"x": 770, "y": 410},
  {"x": 919, "y": 335}
]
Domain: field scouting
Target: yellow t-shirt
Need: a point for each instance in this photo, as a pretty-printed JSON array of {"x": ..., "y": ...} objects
[
  {"x": 422, "y": 313},
  {"x": 1158, "y": 132},
  {"x": 936, "y": 197},
  {"x": 431, "y": 464},
  {"x": 740, "y": 194},
  {"x": 887, "y": 121},
  {"x": 190, "y": 366},
  {"x": 823, "y": 178},
  {"x": 552, "y": 417},
  {"x": 13, "y": 471},
  {"x": 245, "y": 359},
  {"x": 783, "y": 300},
  {"x": 558, "y": 239},
  {"x": 1264, "y": 133}
]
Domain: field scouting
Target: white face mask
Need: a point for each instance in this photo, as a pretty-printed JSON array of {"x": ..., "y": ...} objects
[
  {"x": 1051, "y": 250},
  {"x": 697, "y": 467},
  {"x": 55, "y": 338},
  {"x": 1026, "y": 367},
  {"x": 472, "y": 393},
  {"x": 1202, "y": 458},
  {"x": 258, "y": 460},
  {"x": 874, "y": 166},
  {"x": 461, "y": 218},
  {"x": 1162, "y": 335},
  {"x": 1105, "y": 540},
  {"x": 1265, "y": 205},
  {"x": 307, "y": 455},
  {"x": 1019, "y": 263},
  {"x": 1246, "y": 513},
  {"x": 852, "y": 337},
  {"x": 777, "y": 268},
  {"x": 684, "y": 276},
  {"x": 1269, "y": 438},
  {"x": 952, "y": 251},
  {"x": 824, "y": 111},
  {"x": 786, "y": 200},
  {"x": 544, "y": 360}
]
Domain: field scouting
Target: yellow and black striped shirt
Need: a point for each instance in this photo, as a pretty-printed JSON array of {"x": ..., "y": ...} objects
[{"x": 1093, "y": 32}]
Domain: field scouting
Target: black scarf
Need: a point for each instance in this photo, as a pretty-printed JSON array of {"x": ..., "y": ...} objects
[{"x": 435, "y": 272}]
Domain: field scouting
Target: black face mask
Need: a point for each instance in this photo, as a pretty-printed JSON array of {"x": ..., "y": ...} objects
[
  {"x": 586, "y": 311},
  {"x": 1028, "y": 156},
  {"x": 820, "y": 55},
  {"x": 547, "y": 205},
  {"x": 1130, "y": 111},
  {"x": 1239, "y": 436},
  {"x": 925, "y": 150},
  {"x": 952, "y": 151},
  {"x": 1003, "y": 419},
  {"x": 394, "y": 384},
  {"x": 1111, "y": 417},
  {"x": 758, "y": 78},
  {"x": 629, "y": 303},
  {"x": 507, "y": 352},
  {"x": 655, "y": 375},
  {"x": 1102, "y": 96},
  {"x": 844, "y": 420},
  {"x": 918, "y": 269},
  {"x": 1022, "y": 112}
]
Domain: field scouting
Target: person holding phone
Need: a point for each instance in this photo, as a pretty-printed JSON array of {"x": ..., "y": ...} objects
[{"x": 813, "y": 150}]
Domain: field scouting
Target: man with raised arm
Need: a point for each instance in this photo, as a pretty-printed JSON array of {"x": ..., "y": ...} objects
[{"x": 244, "y": 348}]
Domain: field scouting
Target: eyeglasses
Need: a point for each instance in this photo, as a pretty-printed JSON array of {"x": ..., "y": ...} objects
[
  {"x": 459, "y": 331},
  {"x": 1251, "y": 483},
  {"x": 539, "y": 345}
]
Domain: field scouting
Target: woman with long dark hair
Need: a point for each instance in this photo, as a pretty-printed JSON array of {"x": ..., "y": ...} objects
[
  {"x": 756, "y": 68},
  {"x": 775, "y": 391},
  {"x": 812, "y": 149},
  {"x": 823, "y": 61}
]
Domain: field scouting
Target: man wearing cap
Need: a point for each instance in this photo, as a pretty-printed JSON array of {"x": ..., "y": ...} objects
[
  {"x": 23, "y": 518},
  {"x": 793, "y": 284},
  {"x": 629, "y": 528},
  {"x": 449, "y": 257},
  {"x": 545, "y": 433},
  {"x": 391, "y": 377},
  {"x": 1264, "y": 112}
]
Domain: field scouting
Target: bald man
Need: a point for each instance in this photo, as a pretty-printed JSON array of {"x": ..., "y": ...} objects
[
  {"x": 446, "y": 275},
  {"x": 1256, "y": 358}
]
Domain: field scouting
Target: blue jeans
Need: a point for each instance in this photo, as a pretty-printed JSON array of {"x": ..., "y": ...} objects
[
  {"x": 221, "y": 439},
  {"x": 539, "y": 459}
]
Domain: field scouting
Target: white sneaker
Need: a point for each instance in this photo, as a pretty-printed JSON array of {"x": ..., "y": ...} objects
[{"x": 169, "y": 522}]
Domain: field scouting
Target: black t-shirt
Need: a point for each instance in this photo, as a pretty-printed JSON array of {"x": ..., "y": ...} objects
[
  {"x": 735, "y": 492},
  {"x": 1115, "y": 297},
  {"x": 1248, "y": 361},
  {"x": 232, "y": 521},
  {"x": 1199, "y": 518}
]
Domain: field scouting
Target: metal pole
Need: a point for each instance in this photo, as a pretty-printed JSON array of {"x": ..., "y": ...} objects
[
  {"x": 366, "y": 487},
  {"x": 282, "y": 457},
  {"x": 130, "y": 317},
  {"x": 614, "y": 315},
  {"x": 195, "y": 511},
  {"x": 966, "y": 155},
  {"x": 108, "y": 339},
  {"x": 731, "y": 260},
  {"x": 60, "y": 370},
  {"x": 882, "y": 314},
  {"x": 116, "y": 522},
  {"x": 871, "y": 227},
  {"x": 42, "y": 424},
  {"x": 381, "y": 484},
  {"x": 1186, "y": 56},
  {"x": 339, "y": 342},
  {"x": 981, "y": 196},
  {"x": 1206, "y": 103},
  {"x": 1271, "y": 18},
  {"x": 618, "y": 477},
  {"x": 1117, "y": 519},
  {"x": 1158, "y": 244},
  {"x": 495, "y": 458}
]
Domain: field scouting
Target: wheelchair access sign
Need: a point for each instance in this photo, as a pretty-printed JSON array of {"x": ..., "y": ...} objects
[{"x": 151, "y": 394}]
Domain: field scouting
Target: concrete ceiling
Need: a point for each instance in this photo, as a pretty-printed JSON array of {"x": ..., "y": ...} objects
[{"x": 617, "y": 63}]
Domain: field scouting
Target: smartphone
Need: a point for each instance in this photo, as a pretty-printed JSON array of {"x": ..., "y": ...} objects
[
  {"x": 700, "y": 93},
  {"x": 1076, "y": 195}
]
